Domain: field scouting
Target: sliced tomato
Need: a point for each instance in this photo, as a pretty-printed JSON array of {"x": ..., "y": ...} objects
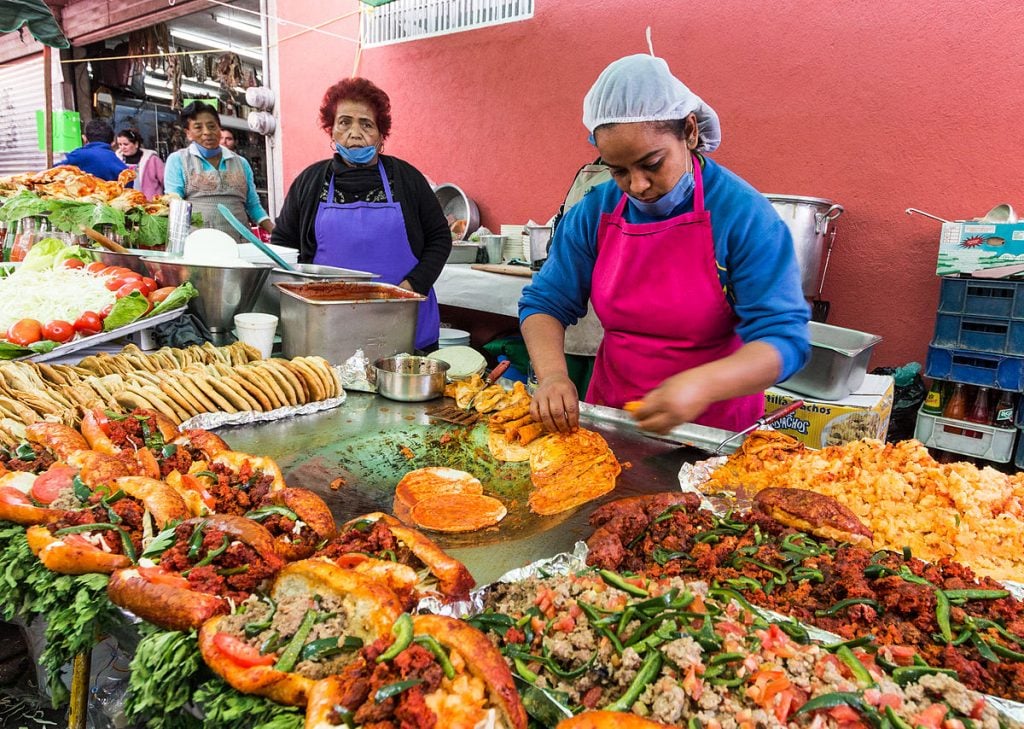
[
  {"x": 128, "y": 287},
  {"x": 72, "y": 263},
  {"x": 240, "y": 652},
  {"x": 49, "y": 484},
  {"x": 149, "y": 285},
  {"x": 58, "y": 331},
  {"x": 160, "y": 294},
  {"x": 784, "y": 705},
  {"x": 13, "y": 497},
  {"x": 159, "y": 576},
  {"x": 96, "y": 267},
  {"x": 105, "y": 311}
]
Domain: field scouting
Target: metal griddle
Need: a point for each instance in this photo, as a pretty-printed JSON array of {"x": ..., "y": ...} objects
[{"x": 362, "y": 442}]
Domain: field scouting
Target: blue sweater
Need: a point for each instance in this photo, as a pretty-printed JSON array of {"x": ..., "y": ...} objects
[
  {"x": 96, "y": 158},
  {"x": 753, "y": 248}
]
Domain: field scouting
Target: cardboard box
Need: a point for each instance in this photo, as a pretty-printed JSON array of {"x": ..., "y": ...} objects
[
  {"x": 820, "y": 423},
  {"x": 967, "y": 247}
]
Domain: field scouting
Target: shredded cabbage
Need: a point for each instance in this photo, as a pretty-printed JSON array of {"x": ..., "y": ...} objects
[{"x": 60, "y": 293}]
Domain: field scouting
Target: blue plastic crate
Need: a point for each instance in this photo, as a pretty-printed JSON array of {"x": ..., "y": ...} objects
[
  {"x": 975, "y": 368},
  {"x": 980, "y": 334},
  {"x": 979, "y": 297}
]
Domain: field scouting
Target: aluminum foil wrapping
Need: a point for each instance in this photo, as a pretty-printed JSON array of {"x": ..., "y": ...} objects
[
  {"x": 211, "y": 421},
  {"x": 355, "y": 373}
]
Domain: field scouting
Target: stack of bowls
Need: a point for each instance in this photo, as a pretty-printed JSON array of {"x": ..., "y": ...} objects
[{"x": 453, "y": 338}]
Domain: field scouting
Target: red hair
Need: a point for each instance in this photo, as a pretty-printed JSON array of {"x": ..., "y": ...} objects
[{"x": 357, "y": 89}]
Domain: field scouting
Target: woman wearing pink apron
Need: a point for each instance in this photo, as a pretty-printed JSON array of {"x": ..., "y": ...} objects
[
  {"x": 690, "y": 270},
  {"x": 367, "y": 211}
]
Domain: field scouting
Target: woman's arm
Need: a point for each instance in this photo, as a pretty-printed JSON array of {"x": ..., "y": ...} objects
[
  {"x": 253, "y": 206},
  {"x": 556, "y": 402},
  {"x": 174, "y": 175}
]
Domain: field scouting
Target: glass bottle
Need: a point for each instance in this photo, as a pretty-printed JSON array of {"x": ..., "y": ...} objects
[
  {"x": 1003, "y": 417},
  {"x": 933, "y": 401},
  {"x": 25, "y": 238},
  {"x": 956, "y": 406},
  {"x": 8, "y": 242},
  {"x": 981, "y": 409}
]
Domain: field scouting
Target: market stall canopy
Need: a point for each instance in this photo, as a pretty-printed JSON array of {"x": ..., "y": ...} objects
[{"x": 37, "y": 16}]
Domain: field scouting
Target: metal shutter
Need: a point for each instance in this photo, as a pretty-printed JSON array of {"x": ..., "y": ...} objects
[
  {"x": 21, "y": 94},
  {"x": 406, "y": 20}
]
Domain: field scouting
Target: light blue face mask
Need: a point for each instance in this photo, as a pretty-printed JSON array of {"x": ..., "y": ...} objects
[
  {"x": 356, "y": 155},
  {"x": 206, "y": 153},
  {"x": 668, "y": 202}
]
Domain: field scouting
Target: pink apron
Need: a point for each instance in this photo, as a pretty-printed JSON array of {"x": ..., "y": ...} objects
[{"x": 657, "y": 293}]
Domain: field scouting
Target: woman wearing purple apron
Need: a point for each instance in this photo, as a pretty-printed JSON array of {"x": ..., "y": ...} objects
[
  {"x": 690, "y": 270},
  {"x": 365, "y": 210}
]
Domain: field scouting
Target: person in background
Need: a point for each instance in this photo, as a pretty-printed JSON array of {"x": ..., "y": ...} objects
[
  {"x": 149, "y": 168},
  {"x": 690, "y": 270},
  {"x": 96, "y": 156},
  {"x": 227, "y": 139},
  {"x": 365, "y": 210},
  {"x": 206, "y": 174}
]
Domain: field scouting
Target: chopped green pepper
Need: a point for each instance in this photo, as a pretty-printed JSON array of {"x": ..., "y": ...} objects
[
  {"x": 317, "y": 650},
  {"x": 431, "y": 644},
  {"x": 619, "y": 582},
  {"x": 195, "y": 542},
  {"x": 843, "y": 604},
  {"x": 126, "y": 540},
  {"x": 290, "y": 656},
  {"x": 394, "y": 689},
  {"x": 402, "y": 631},
  {"x": 904, "y": 675},
  {"x": 859, "y": 671},
  {"x": 648, "y": 670},
  {"x": 256, "y": 627}
]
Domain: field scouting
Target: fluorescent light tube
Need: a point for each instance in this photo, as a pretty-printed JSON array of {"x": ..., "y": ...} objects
[
  {"x": 204, "y": 41},
  {"x": 239, "y": 25}
]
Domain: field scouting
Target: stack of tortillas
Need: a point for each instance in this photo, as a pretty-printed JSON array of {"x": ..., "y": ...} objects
[{"x": 445, "y": 500}]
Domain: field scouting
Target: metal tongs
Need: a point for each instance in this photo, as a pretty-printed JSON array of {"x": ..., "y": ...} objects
[{"x": 761, "y": 422}]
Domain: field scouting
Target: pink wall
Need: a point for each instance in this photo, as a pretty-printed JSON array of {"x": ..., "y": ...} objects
[{"x": 878, "y": 106}]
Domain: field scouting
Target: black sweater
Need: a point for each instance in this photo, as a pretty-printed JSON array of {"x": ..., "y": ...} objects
[{"x": 425, "y": 224}]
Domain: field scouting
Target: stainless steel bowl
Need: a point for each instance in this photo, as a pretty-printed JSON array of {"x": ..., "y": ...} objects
[
  {"x": 411, "y": 379},
  {"x": 131, "y": 260},
  {"x": 457, "y": 205},
  {"x": 223, "y": 290}
]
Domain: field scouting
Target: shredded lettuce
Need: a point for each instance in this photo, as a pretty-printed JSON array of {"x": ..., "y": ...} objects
[{"x": 75, "y": 608}]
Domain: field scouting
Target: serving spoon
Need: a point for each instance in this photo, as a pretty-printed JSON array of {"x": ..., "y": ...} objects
[{"x": 248, "y": 235}]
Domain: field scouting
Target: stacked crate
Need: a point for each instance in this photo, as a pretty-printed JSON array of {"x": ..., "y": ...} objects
[{"x": 979, "y": 340}]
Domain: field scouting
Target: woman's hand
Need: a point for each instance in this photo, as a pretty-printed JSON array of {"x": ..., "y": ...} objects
[
  {"x": 679, "y": 399},
  {"x": 556, "y": 404}
]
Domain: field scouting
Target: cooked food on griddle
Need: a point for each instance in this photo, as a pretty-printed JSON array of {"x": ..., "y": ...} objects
[
  {"x": 570, "y": 469},
  {"x": 457, "y": 512},
  {"x": 813, "y": 513},
  {"x": 424, "y": 483}
]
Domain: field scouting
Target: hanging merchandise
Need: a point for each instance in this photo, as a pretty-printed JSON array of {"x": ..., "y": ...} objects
[
  {"x": 260, "y": 97},
  {"x": 262, "y": 123}
]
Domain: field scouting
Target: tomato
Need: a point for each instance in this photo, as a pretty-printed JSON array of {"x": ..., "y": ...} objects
[
  {"x": 149, "y": 285},
  {"x": 24, "y": 332},
  {"x": 930, "y": 717},
  {"x": 58, "y": 330},
  {"x": 49, "y": 484},
  {"x": 72, "y": 263},
  {"x": 88, "y": 322},
  {"x": 128, "y": 287},
  {"x": 240, "y": 652},
  {"x": 113, "y": 284},
  {"x": 160, "y": 576},
  {"x": 96, "y": 267},
  {"x": 13, "y": 497},
  {"x": 115, "y": 271},
  {"x": 105, "y": 311},
  {"x": 160, "y": 294}
]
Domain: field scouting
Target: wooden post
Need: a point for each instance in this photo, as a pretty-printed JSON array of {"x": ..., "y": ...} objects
[
  {"x": 81, "y": 670},
  {"x": 48, "y": 106}
]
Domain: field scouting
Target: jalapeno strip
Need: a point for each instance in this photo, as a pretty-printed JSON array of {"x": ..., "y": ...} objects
[
  {"x": 290, "y": 656},
  {"x": 265, "y": 512},
  {"x": 619, "y": 582},
  {"x": 853, "y": 643},
  {"x": 800, "y": 544},
  {"x": 955, "y": 595},
  {"x": 228, "y": 571},
  {"x": 126, "y": 541},
  {"x": 648, "y": 670},
  {"x": 208, "y": 474},
  {"x": 271, "y": 644},
  {"x": 211, "y": 555},
  {"x": 402, "y": 631},
  {"x": 895, "y": 719},
  {"x": 488, "y": 622},
  {"x": 394, "y": 689},
  {"x": 858, "y": 669},
  {"x": 1004, "y": 652},
  {"x": 254, "y": 628},
  {"x": 431, "y": 644},
  {"x": 904, "y": 675},
  {"x": 942, "y": 610},
  {"x": 843, "y": 604},
  {"x": 81, "y": 491},
  {"x": 169, "y": 450},
  {"x": 663, "y": 556},
  {"x": 317, "y": 650},
  {"x": 524, "y": 671},
  {"x": 195, "y": 542},
  {"x": 832, "y": 700}
]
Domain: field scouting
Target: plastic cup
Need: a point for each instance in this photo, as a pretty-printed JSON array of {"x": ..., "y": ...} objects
[{"x": 257, "y": 330}]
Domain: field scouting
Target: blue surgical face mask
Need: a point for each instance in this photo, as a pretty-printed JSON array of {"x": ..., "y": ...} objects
[
  {"x": 206, "y": 153},
  {"x": 668, "y": 202},
  {"x": 356, "y": 155}
]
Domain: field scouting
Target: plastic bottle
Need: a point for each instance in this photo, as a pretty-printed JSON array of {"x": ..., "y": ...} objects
[
  {"x": 933, "y": 401},
  {"x": 24, "y": 240},
  {"x": 981, "y": 409},
  {"x": 1004, "y": 410}
]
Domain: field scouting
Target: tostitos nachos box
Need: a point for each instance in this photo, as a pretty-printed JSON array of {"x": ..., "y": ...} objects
[{"x": 820, "y": 423}]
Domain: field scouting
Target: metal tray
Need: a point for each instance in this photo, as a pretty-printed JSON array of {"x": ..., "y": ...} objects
[
  {"x": 838, "y": 363},
  {"x": 85, "y": 342}
]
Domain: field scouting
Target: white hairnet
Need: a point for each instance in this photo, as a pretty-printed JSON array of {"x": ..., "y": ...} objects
[{"x": 641, "y": 88}]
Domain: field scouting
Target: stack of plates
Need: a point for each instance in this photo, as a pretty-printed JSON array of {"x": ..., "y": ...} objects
[
  {"x": 249, "y": 252},
  {"x": 453, "y": 338},
  {"x": 516, "y": 245}
]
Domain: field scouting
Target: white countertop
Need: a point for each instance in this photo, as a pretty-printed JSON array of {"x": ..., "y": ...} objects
[{"x": 462, "y": 286}]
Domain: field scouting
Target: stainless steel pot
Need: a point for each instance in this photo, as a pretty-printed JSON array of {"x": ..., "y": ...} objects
[
  {"x": 809, "y": 220},
  {"x": 410, "y": 379},
  {"x": 457, "y": 205}
]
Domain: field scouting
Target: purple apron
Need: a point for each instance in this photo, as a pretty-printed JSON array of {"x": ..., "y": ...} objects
[{"x": 371, "y": 237}]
